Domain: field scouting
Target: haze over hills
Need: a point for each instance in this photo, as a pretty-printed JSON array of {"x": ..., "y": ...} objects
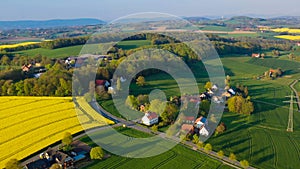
[
  {"x": 33, "y": 24},
  {"x": 30, "y": 24}
]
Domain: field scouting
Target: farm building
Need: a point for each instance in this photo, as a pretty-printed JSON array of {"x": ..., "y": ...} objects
[{"x": 150, "y": 118}]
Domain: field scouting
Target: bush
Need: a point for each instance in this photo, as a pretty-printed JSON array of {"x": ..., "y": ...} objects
[
  {"x": 244, "y": 163},
  {"x": 208, "y": 147},
  {"x": 97, "y": 153},
  {"x": 221, "y": 154},
  {"x": 232, "y": 157}
]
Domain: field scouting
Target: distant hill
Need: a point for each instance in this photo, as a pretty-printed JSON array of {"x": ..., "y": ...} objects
[
  {"x": 26, "y": 24},
  {"x": 197, "y": 19}
]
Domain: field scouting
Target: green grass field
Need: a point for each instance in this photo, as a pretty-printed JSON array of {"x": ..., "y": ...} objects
[
  {"x": 216, "y": 28},
  {"x": 75, "y": 50},
  {"x": 261, "y": 138},
  {"x": 126, "y": 45},
  {"x": 178, "y": 157},
  {"x": 53, "y": 53}
]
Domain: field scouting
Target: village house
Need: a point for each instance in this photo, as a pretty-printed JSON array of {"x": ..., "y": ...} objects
[
  {"x": 150, "y": 118},
  {"x": 214, "y": 87},
  {"x": 26, "y": 68},
  {"x": 101, "y": 85},
  {"x": 200, "y": 124},
  {"x": 255, "y": 55},
  {"x": 187, "y": 128}
]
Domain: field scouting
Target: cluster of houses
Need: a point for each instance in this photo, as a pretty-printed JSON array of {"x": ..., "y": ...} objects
[
  {"x": 195, "y": 126},
  {"x": 33, "y": 69},
  {"x": 65, "y": 160},
  {"x": 74, "y": 61},
  {"x": 200, "y": 125}
]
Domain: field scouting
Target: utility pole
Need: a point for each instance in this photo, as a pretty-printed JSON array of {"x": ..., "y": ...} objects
[{"x": 291, "y": 113}]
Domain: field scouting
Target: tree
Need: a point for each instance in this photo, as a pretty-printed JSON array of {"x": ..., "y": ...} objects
[
  {"x": 238, "y": 104},
  {"x": 169, "y": 113},
  {"x": 244, "y": 163},
  {"x": 208, "y": 85},
  {"x": 154, "y": 128},
  {"x": 232, "y": 156},
  {"x": 195, "y": 139},
  {"x": 55, "y": 166},
  {"x": 291, "y": 56},
  {"x": 221, "y": 154},
  {"x": 140, "y": 81},
  {"x": 118, "y": 84},
  {"x": 13, "y": 164},
  {"x": 227, "y": 80},
  {"x": 246, "y": 92},
  {"x": 67, "y": 140},
  {"x": 200, "y": 144},
  {"x": 131, "y": 101},
  {"x": 97, "y": 153},
  {"x": 157, "y": 106},
  {"x": 208, "y": 147},
  {"x": 5, "y": 60},
  {"x": 221, "y": 128}
]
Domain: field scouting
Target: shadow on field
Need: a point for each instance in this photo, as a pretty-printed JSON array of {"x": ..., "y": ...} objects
[
  {"x": 260, "y": 151},
  {"x": 264, "y": 159}
]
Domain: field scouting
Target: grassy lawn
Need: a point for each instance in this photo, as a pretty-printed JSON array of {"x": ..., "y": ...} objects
[{"x": 178, "y": 157}]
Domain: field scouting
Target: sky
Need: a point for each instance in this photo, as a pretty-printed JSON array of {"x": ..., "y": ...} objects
[{"x": 112, "y": 9}]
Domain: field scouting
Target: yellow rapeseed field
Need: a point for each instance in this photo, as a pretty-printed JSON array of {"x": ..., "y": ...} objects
[
  {"x": 18, "y": 44},
  {"x": 29, "y": 124},
  {"x": 296, "y": 31},
  {"x": 288, "y": 37}
]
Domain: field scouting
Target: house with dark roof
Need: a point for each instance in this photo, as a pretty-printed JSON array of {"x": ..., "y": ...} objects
[
  {"x": 38, "y": 164},
  {"x": 150, "y": 118}
]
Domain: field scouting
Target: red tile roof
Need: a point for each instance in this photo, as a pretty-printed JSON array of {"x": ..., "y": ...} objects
[
  {"x": 100, "y": 82},
  {"x": 189, "y": 118},
  {"x": 187, "y": 127},
  {"x": 151, "y": 115}
]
